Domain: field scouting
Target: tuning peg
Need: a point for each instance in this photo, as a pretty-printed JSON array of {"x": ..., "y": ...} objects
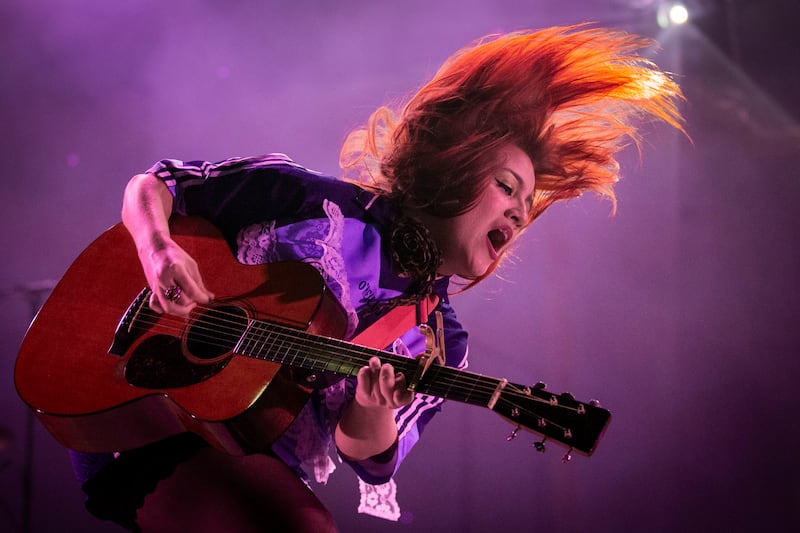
[
  {"x": 513, "y": 434},
  {"x": 594, "y": 403},
  {"x": 567, "y": 456},
  {"x": 540, "y": 385},
  {"x": 539, "y": 445},
  {"x": 567, "y": 396}
]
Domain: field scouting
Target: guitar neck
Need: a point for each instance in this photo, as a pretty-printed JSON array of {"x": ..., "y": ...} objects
[
  {"x": 298, "y": 349},
  {"x": 556, "y": 416}
]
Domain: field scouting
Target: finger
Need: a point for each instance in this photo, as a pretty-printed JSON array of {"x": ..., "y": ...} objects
[
  {"x": 364, "y": 383},
  {"x": 393, "y": 388},
  {"x": 375, "y": 365},
  {"x": 402, "y": 395},
  {"x": 155, "y": 303},
  {"x": 368, "y": 391},
  {"x": 201, "y": 285},
  {"x": 195, "y": 287},
  {"x": 187, "y": 277},
  {"x": 386, "y": 383},
  {"x": 375, "y": 381},
  {"x": 195, "y": 292}
]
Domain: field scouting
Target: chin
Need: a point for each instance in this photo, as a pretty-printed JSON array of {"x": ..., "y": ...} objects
[
  {"x": 469, "y": 268},
  {"x": 476, "y": 271}
]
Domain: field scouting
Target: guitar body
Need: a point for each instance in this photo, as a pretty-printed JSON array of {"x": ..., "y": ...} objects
[{"x": 104, "y": 373}]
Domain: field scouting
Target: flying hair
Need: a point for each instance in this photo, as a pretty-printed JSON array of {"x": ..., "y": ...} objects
[{"x": 570, "y": 97}]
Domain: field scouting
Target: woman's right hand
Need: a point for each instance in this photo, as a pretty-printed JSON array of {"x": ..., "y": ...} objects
[
  {"x": 173, "y": 276},
  {"x": 171, "y": 273}
]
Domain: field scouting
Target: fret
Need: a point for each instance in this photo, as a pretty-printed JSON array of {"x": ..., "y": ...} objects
[
  {"x": 249, "y": 339},
  {"x": 294, "y": 357},
  {"x": 267, "y": 340},
  {"x": 297, "y": 348},
  {"x": 260, "y": 338},
  {"x": 472, "y": 388},
  {"x": 244, "y": 340},
  {"x": 281, "y": 344}
]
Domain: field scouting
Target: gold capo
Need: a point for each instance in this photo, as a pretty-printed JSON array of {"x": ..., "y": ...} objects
[{"x": 434, "y": 350}]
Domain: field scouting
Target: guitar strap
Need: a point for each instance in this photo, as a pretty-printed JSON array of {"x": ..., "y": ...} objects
[{"x": 395, "y": 323}]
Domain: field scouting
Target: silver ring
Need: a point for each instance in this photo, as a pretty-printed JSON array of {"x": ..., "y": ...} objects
[{"x": 173, "y": 293}]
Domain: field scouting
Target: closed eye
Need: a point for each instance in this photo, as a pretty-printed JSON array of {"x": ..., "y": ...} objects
[{"x": 506, "y": 189}]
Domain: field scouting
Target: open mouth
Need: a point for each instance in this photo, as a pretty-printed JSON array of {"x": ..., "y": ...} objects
[{"x": 498, "y": 238}]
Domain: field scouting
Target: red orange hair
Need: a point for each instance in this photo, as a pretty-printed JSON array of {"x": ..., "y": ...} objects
[{"x": 567, "y": 96}]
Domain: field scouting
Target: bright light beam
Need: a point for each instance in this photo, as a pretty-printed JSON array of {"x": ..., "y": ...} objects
[
  {"x": 672, "y": 14},
  {"x": 678, "y": 14}
]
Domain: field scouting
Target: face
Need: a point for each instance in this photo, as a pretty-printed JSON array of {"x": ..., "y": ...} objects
[{"x": 471, "y": 241}]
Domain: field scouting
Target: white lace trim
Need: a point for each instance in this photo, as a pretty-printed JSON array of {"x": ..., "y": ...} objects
[
  {"x": 331, "y": 263},
  {"x": 257, "y": 244},
  {"x": 379, "y": 500}
]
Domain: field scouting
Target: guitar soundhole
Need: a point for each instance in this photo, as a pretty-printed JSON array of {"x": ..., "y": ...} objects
[
  {"x": 216, "y": 332},
  {"x": 161, "y": 362}
]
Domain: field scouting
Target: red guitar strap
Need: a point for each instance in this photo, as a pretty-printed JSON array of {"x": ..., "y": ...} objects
[{"x": 395, "y": 323}]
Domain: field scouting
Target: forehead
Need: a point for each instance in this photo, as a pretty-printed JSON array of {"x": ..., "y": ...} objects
[{"x": 513, "y": 158}]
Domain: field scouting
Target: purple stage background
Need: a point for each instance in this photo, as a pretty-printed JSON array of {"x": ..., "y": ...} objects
[{"x": 680, "y": 313}]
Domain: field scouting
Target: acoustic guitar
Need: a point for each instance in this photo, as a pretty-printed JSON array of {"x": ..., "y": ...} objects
[{"x": 103, "y": 372}]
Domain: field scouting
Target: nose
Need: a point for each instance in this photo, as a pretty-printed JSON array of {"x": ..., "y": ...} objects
[{"x": 518, "y": 214}]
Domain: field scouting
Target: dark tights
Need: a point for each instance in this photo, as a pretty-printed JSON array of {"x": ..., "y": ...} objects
[{"x": 215, "y": 492}]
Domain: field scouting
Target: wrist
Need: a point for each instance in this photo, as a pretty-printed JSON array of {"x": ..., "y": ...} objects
[{"x": 365, "y": 431}]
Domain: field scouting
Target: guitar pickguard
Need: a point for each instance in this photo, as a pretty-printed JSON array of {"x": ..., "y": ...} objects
[
  {"x": 159, "y": 363},
  {"x": 129, "y": 327}
]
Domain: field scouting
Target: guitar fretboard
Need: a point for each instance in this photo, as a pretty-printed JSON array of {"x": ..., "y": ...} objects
[{"x": 285, "y": 345}]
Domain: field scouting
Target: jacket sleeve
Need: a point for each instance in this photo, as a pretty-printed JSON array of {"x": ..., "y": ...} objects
[
  {"x": 414, "y": 417},
  {"x": 237, "y": 192}
]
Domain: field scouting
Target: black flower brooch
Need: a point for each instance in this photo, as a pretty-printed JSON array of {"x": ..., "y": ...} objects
[{"x": 414, "y": 253}]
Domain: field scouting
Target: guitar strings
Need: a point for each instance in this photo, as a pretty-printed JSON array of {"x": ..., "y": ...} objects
[
  {"x": 472, "y": 383},
  {"x": 294, "y": 343},
  {"x": 295, "y": 340},
  {"x": 306, "y": 344},
  {"x": 313, "y": 348}
]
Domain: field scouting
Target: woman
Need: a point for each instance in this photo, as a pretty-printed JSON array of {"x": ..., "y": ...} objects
[{"x": 440, "y": 191}]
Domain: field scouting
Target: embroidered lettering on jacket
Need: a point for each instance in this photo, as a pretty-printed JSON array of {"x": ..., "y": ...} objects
[{"x": 368, "y": 297}]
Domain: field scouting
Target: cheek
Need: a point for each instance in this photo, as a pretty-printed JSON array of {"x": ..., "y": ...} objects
[
  {"x": 465, "y": 231},
  {"x": 457, "y": 240}
]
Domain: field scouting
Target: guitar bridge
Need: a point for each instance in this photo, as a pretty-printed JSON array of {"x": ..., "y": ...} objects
[{"x": 127, "y": 330}]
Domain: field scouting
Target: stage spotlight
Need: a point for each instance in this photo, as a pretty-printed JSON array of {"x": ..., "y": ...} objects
[
  {"x": 672, "y": 14},
  {"x": 678, "y": 14}
]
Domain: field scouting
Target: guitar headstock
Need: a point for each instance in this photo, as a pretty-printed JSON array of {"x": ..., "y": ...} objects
[{"x": 558, "y": 417}]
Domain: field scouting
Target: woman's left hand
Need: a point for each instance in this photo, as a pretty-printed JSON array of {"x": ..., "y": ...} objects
[
  {"x": 379, "y": 386},
  {"x": 367, "y": 426}
]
